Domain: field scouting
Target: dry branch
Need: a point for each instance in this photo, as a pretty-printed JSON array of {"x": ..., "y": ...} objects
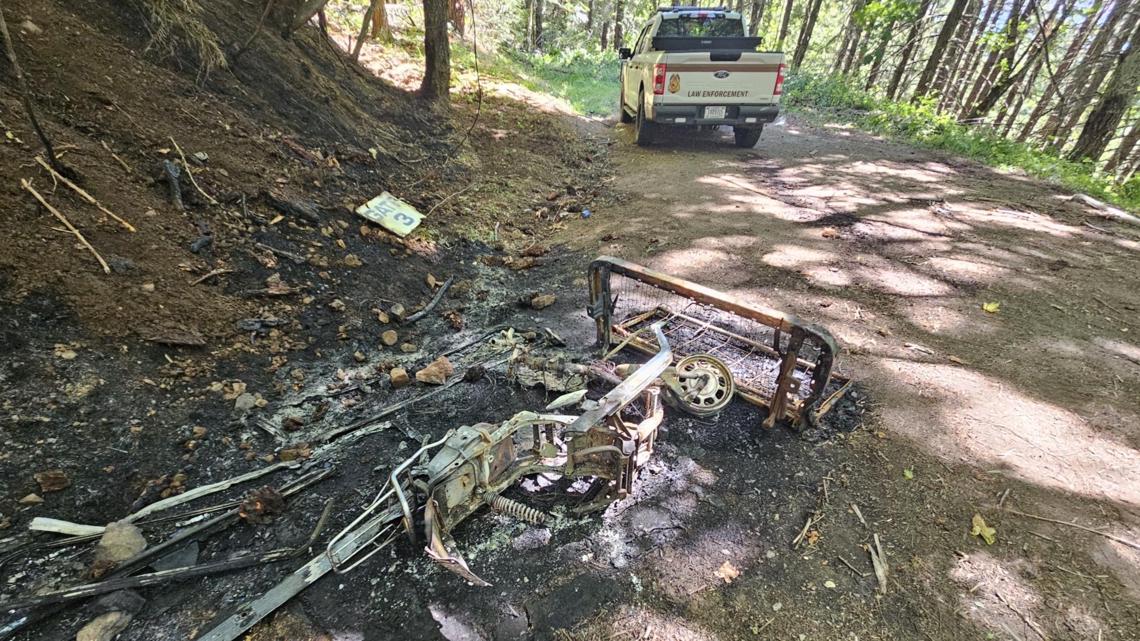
[
  {"x": 66, "y": 223},
  {"x": 83, "y": 193},
  {"x": 1112, "y": 537},
  {"x": 191, "y": 173}
]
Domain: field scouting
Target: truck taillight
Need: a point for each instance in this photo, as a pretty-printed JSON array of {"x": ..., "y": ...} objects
[
  {"x": 779, "y": 80},
  {"x": 658, "y": 80}
]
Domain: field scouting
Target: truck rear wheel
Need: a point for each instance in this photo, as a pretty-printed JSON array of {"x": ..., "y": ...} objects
[
  {"x": 747, "y": 138},
  {"x": 644, "y": 130},
  {"x": 623, "y": 115}
]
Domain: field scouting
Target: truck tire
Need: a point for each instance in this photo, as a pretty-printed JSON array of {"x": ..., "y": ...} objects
[
  {"x": 623, "y": 115},
  {"x": 643, "y": 131},
  {"x": 747, "y": 138}
]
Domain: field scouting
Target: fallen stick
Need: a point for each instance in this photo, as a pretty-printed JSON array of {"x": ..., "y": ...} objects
[
  {"x": 208, "y": 276},
  {"x": 56, "y": 526},
  {"x": 122, "y": 163},
  {"x": 1107, "y": 535},
  {"x": 858, "y": 572},
  {"x": 1024, "y": 617},
  {"x": 296, "y": 258},
  {"x": 66, "y": 223},
  {"x": 859, "y": 514},
  {"x": 190, "y": 174},
  {"x": 83, "y": 193},
  {"x": 879, "y": 563},
  {"x": 206, "y": 490},
  {"x": 434, "y": 301}
]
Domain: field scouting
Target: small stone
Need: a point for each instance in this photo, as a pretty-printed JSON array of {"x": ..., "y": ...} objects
[
  {"x": 30, "y": 28},
  {"x": 120, "y": 541},
  {"x": 829, "y": 584},
  {"x": 337, "y": 305},
  {"x": 352, "y": 260},
  {"x": 399, "y": 377},
  {"x": 777, "y": 606},
  {"x": 397, "y": 311},
  {"x": 359, "y": 356},
  {"x": 245, "y": 402},
  {"x": 198, "y": 431},
  {"x": 52, "y": 480},
  {"x": 31, "y": 499},
  {"x": 201, "y": 157},
  {"x": 408, "y": 348},
  {"x": 389, "y": 337},
  {"x": 148, "y": 287},
  {"x": 65, "y": 352},
  {"x": 297, "y": 374},
  {"x": 104, "y": 627},
  {"x": 381, "y": 316},
  {"x": 541, "y": 301},
  {"x": 436, "y": 372}
]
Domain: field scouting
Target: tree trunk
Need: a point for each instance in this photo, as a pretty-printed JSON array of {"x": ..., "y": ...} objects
[
  {"x": 381, "y": 28},
  {"x": 1016, "y": 99},
  {"x": 853, "y": 51},
  {"x": 848, "y": 34},
  {"x": 805, "y": 34},
  {"x": 1118, "y": 95},
  {"x": 880, "y": 51},
  {"x": 1097, "y": 64},
  {"x": 908, "y": 49},
  {"x": 954, "y": 52},
  {"x": 590, "y": 17},
  {"x": 1124, "y": 150},
  {"x": 1061, "y": 71},
  {"x": 785, "y": 19},
  {"x": 1001, "y": 57},
  {"x": 437, "y": 52},
  {"x": 457, "y": 14},
  {"x": 539, "y": 10},
  {"x": 605, "y": 35},
  {"x": 367, "y": 22},
  {"x": 948, "y": 28},
  {"x": 1037, "y": 46},
  {"x": 960, "y": 79},
  {"x": 619, "y": 17},
  {"x": 756, "y": 16}
]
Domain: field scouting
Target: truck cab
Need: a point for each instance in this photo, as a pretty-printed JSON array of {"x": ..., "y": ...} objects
[{"x": 692, "y": 67}]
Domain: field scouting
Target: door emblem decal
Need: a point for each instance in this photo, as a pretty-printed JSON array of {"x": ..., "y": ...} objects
[{"x": 675, "y": 83}]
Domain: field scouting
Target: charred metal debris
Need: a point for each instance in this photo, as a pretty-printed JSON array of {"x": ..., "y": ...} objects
[{"x": 705, "y": 347}]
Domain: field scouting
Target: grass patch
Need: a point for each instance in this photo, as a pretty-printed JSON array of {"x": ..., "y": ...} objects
[
  {"x": 177, "y": 24},
  {"x": 837, "y": 100},
  {"x": 587, "y": 80}
]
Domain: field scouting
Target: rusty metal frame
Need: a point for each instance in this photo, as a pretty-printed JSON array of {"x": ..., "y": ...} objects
[{"x": 783, "y": 403}]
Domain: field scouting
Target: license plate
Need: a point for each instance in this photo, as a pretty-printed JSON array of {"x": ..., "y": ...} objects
[{"x": 715, "y": 112}]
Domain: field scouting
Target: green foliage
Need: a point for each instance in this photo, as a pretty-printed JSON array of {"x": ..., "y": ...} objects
[{"x": 835, "y": 98}]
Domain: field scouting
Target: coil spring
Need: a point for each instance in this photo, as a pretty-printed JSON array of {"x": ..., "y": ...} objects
[{"x": 518, "y": 510}]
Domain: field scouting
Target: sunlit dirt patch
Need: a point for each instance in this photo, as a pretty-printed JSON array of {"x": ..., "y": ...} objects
[{"x": 996, "y": 596}]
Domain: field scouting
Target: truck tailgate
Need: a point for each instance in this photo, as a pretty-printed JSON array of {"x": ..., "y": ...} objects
[{"x": 694, "y": 77}]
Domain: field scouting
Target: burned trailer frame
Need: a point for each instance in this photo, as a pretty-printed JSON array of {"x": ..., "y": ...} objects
[{"x": 777, "y": 361}]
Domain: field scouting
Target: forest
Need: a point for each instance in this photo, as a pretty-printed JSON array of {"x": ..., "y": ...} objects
[{"x": 1046, "y": 86}]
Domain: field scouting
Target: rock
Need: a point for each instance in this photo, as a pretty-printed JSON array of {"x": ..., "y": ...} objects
[
  {"x": 121, "y": 541},
  {"x": 397, "y": 311},
  {"x": 408, "y": 348},
  {"x": 337, "y": 305},
  {"x": 399, "y": 377},
  {"x": 199, "y": 432},
  {"x": 359, "y": 356},
  {"x": 381, "y": 316},
  {"x": 245, "y": 402},
  {"x": 200, "y": 157},
  {"x": 541, "y": 301},
  {"x": 532, "y": 539},
  {"x": 148, "y": 287},
  {"x": 436, "y": 372},
  {"x": 389, "y": 337},
  {"x": 352, "y": 260},
  {"x": 104, "y": 627},
  {"x": 52, "y": 480},
  {"x": 30, "y": 28},
  {"x": 31, "y": 499}
]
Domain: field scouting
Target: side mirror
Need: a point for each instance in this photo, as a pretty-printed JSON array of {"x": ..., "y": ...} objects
[{"x": 625, "y": 53}]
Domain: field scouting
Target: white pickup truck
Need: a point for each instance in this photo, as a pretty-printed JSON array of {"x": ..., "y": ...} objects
[{"x": 696, "y": 67}]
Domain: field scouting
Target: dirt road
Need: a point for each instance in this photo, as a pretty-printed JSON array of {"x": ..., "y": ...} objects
[{"x": 1033, "y": 407}]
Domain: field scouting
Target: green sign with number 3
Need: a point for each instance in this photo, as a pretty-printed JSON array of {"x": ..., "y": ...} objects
[{"x": 392, "y": 214}]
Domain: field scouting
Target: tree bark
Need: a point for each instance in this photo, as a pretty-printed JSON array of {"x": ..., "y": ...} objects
[
  {"x": 1118, "y": 95},
  {"x": 954, "y": 52},
  {"x": 590, "y": 17},
  {"x": 1062, "y": 70},
  {"x": 1016, "y": 99},
  {"x": 805, "y": 34},
  {"x": 619, "y": 17},
  {"x": 785, "y": 19},
  {"x": 964, "y": 71},
  {"x": 1097, "y": 63},
  {"x": 437, "y": 53},
  {"x": 1124, "y": 150},
  {"x": 605, "y": 35},
  {"x": 756, "y": 16},
  {"x": 848, "y": 34},
  {"x": 457, "y": 14},
  {"x": 949, "y": 26},
  {"x": 880, "y": 51},
  {"x": 1000, "y": 57},
  {"x": 908, "y": 50},
  {"x": 381, "y": 27}
]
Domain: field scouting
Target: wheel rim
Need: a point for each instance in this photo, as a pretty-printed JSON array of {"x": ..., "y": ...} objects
[{"x": 706, "y": 382}]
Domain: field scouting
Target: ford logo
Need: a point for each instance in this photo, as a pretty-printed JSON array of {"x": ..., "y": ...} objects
[{"x": 721, "y": 74}]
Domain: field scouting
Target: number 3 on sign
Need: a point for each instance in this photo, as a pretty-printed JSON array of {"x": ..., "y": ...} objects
[{"x": 391, "y": 213}]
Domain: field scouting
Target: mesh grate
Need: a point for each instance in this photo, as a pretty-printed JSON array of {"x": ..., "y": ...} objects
[{"x": 751, "y": 349}]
